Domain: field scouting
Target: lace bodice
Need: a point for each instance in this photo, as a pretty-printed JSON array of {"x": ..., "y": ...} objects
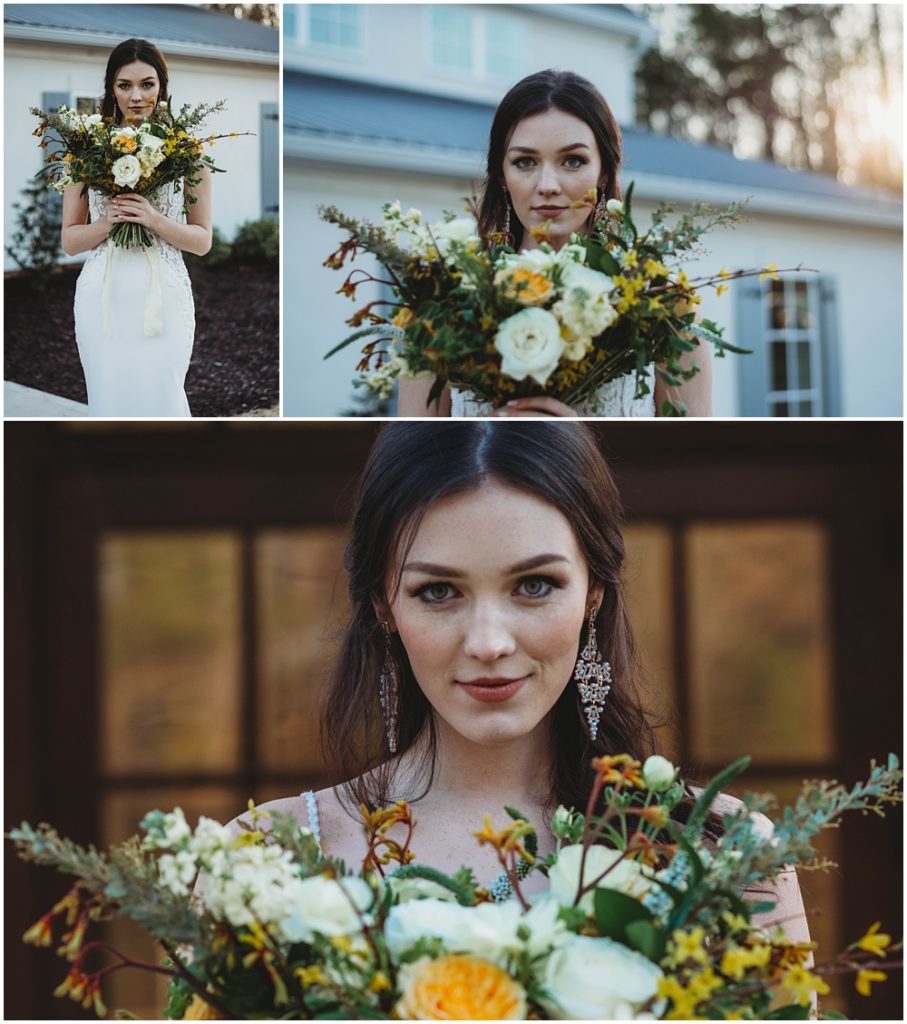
[{"x": 614, "y": 399}]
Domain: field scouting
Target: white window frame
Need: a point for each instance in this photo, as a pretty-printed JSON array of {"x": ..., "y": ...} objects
[
  {"x": 479, "y": 72},
  {"x": 791, "y": 337},
  {"x": 303, "y": 37}
]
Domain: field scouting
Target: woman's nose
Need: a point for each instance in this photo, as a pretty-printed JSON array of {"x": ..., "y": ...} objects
[
  {"x": 488, "y": 636},
  {"x": 548, "y": 180}
]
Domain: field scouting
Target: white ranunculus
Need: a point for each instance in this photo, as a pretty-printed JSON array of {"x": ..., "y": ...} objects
[
  {"x": 598, "y": 979},
  {"x": 530, "y": 344},
  {"x": 546, "y": 929},
  {"x": 627, "y": 877},
  {"x": 488, "y": 930},
  {"x": 537, "y": 260},
  {"x": 406, "y": 889},
  {"x": 615, "y": 206},
  {"x": 658, "y": 773},
  {"x": 126, "y": 171},
  {"x": 576, "y": 277},
  {"x": 572, "y": 253},
  {"x": 321, "y": 906},
  {"x": 460, "y": 229},
  {"x": 91, "y": 120}
]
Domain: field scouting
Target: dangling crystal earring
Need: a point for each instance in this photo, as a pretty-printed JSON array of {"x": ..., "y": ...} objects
[
  {"x": 601, "y": 208},
  {"x": 593, "y": 678},
  {"x": 507, "y": 236},
  {"x": 389, "y": 690}
]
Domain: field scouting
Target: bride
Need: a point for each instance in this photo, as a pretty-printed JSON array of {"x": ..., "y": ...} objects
[
  {"x": 482, "y": 557},
  {"x": 134, "y": 312},
  {"x": 553, "y": 139}
]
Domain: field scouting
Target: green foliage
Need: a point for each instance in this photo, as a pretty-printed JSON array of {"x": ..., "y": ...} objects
[
  {"x": 257, "y": 241},
  {"x": 35, "y": 242},
  {"x": 218, "y": 255}
]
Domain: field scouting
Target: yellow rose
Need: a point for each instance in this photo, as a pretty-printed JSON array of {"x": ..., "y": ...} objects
[
  {"x": 459, "y": 988},
  {"x": 528, "y": 287},
  {"x": 198, "y": 1009},
  {"x": 124, "y": 143}
]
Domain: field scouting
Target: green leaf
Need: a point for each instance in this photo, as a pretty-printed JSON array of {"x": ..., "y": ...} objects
[
  {"x": 601, "y": 259},
  {"x": 832, "y": 1015},
  {"x": 793, "y": 1012},
  {"x": 615, "y": 910},
  {"x": 700, "y": 811},
  {"x": 648, "y": 939}
]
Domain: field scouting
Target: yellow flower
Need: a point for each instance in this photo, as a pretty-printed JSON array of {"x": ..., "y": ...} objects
[
  {"x": 198, "y": 1009},
  {"x": 125, "y": 143},
  {"x": 310, "y": 975},
  {"x": 703, "y": 984},
  {"x": 801, "y": 984},
  {"x": 528, "y": 287},
  {"x": 736, "y": 922},
  {"x": 379, "y": 983},
  {"x": 655, "y": 269},
  {"x": 405, "y": 316},
  {"x": 688, "y": 946},
  {"x": 874, "y": 941},
  {"x": 720, "y": 289},
  {"x": 724, "y": 274},
  {"x": 619, "y": 767},
  {"x": 682, "y": 279},
  {"x": 769, "y": 273},
  {"x": 40, "y": 933},
  {"x": 683, "y": 1001},
  {"x": 459, "y": 988},
  {"x": 630, "y": 259},
  {"x": 866, "y": 977}
]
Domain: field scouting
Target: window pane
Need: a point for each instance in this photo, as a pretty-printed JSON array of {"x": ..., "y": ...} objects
[
  {"x": 779, "y": 366},
  {"x": 651, "y": 602},
  {"x": 806, "y": 408},
  {"x": 301, "y": 590},
  {"x": 141, "y": 992},
  {"x": 335, "y": 25},
  {"x": 804, "y": 365},
  {"x": 452, "y": 38},
  {"x": 759, "y": 644},
  {"x": 780, "y": 409},
  {"x": 170, "y": 649},
  {"x": 505, "y": 45},
  {"x": 777, "y": 316},
  {"x": 801, "y": 297}
]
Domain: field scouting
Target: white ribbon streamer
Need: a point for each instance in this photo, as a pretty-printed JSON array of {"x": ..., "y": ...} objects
[{"x": 153, "y": 320}]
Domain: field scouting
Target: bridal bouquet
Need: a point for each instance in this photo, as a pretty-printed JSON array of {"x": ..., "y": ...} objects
[
  {"x": 112, "y": 159},
  {"x": 503, "y": 325},
  {"x": 643, "y": 917}
]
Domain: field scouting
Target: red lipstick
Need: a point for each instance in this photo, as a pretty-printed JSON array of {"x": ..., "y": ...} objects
[{"x": 493, "y": 690}]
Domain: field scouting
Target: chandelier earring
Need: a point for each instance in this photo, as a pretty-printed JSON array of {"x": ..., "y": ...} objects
[
  {"x": 601, "y": 208},
  {"x": 389, "y": 690},
  {"x": 508, "y": 237},
  {"x": 593, "y": 678}
]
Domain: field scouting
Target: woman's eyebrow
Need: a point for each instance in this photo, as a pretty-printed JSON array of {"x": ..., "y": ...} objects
[
  {"x": 432, "y": 569},
  {"x": 563, "y": 149}
]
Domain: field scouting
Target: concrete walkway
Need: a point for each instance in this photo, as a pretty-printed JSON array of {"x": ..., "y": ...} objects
[{"x": 20, "y": 401}]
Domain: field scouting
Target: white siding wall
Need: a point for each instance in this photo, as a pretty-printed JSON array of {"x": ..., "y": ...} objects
[
  {"x": 32, "y": 69},
  {"x": 866, "y": 264},
  {"x": 396, "y": 50}
]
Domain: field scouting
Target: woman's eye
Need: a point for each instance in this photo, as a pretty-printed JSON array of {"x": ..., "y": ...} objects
[
  {"x": 435, "y": 593},
  {"x": 535, "y": 586},
  {"x": 574, "y": 162},
  {"x": 523, "y": 162}
]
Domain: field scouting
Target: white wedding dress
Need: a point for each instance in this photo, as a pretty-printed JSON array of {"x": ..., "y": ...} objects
[
  {"x": 135, "y": 321},
  {"x": 616, "y": 398}
]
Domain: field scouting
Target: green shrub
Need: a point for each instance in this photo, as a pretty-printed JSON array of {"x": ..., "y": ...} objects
[
  {"x": 257, "y": 241},
  {"x": 35, "y": 244}
]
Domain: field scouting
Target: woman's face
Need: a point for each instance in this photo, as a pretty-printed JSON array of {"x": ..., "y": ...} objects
[
  {"x": 136, "y": 89},
  {"x": 492, "y": 597},
  {"x": 550, "y": 161}
]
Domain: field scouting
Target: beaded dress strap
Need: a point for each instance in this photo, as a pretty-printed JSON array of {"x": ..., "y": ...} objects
[{"x": 311, "y": 806}]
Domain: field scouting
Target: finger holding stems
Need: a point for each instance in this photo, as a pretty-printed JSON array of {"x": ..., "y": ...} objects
[
  {"x": 540, "y": 405},
  {"x": 134, "y": 209}
]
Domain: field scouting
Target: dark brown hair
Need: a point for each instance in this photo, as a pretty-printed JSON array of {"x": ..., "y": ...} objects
[
  {"x": 127, "y": 52},
  {"x": 535, "y": 94},
  {"x": 414, "y": 465}
]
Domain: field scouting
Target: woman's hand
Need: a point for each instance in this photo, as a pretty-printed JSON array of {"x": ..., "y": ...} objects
[
  {"x": 131, "y": 208},
  {"x": 541, "y": 405}
]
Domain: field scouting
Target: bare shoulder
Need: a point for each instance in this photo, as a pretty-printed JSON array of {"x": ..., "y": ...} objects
[
  {"x": 727, "y": 804},
  {"x": 294, "y": 805}
]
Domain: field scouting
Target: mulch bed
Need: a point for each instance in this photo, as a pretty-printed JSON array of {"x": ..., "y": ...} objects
[{"x": 235, "y": 361}]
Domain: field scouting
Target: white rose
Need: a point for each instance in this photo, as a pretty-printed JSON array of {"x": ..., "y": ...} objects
[
  {"x": 584, "y": 307},
  {"x": 598, "y": 979},
  {"x": 461, "y": 229},
  {"x": 531, "y": 345},
  {"x": 488, "y": 930},
  {"x": 615, "y": 206},
  {"x": 537, "y": 260},
  {"x": 658, "y": 773},
  {"x": 627, "y": 877},
  {"x": 322, "y": 906},
  {"x": 126, "y": 171},
  {"x": 406, "y": 889},
  {"x": 151, "y": 142}
]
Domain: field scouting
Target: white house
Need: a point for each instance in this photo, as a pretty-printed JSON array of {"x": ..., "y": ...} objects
[
  {"x": 57, "y": 53},
  {"x": 386, "y": 102}
]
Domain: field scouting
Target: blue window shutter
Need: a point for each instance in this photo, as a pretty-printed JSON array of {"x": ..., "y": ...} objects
[
  {"x": 752, "y": 376},
  {"x": 50, "y": 104},
  {"x": 270, "y": 151},
  {"x": 828, "y": 332}
]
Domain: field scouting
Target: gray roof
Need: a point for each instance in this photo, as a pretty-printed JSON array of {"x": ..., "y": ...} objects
[
  {"x": 333, "y": 108},
  {"x": 160, "y": 23}
]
